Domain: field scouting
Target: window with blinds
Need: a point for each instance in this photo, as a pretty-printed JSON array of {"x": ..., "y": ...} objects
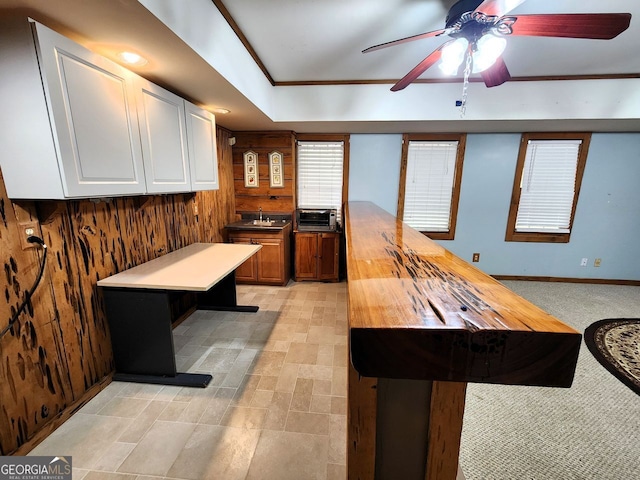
[
  {"x": 548, "y": 186},
  {"x": 319, "y": 179},
  {"x": 549, "y": 176},
  {"x": 430, "y": 184}
]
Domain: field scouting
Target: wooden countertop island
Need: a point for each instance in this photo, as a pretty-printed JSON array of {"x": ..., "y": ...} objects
[{"x": 423, "y": 323}]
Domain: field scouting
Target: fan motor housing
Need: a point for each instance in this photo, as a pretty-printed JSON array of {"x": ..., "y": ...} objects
[{"x": 458, "y": 9}]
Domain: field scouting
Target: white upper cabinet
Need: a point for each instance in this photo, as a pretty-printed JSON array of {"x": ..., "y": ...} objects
[
  {"x": 178, "y": 142},
  {"x": 163, "y": 134},
  {"x": 71, "y": 117},
  {"x": 203, "y": 156},
  {"x": 74, "y": 124}
]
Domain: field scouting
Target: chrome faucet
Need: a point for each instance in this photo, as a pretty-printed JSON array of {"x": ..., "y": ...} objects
[{"x": 260, "y": 214}]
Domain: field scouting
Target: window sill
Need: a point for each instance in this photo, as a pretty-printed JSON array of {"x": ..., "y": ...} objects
[
  {"x": 537, "y": 237},
  {"x": 439, "y": 235}
]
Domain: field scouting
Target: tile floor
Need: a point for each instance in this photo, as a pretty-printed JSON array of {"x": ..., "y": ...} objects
[{"x": 275, "y": 409}]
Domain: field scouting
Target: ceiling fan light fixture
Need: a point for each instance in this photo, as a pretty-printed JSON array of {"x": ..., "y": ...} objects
[
  {"x": 485, "y": 24},
  {"x": 488, "y": 49},
  {"x": 453, "y": 55}
]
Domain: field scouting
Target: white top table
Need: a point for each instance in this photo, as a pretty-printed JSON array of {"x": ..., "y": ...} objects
[{"x": 196, "y": 267}]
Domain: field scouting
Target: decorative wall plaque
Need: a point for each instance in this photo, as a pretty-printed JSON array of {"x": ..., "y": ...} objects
[
  {"x": 276, "y": 170},
  {"x": 251, "y": 176}
]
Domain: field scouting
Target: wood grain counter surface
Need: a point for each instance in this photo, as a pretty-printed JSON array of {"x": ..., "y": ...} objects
[{"x": 417, "y": 311}]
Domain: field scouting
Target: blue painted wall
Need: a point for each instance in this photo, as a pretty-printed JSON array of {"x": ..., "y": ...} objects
[
  {"x": 606, "y": 225},
  {"x": 374, "y": 169}
]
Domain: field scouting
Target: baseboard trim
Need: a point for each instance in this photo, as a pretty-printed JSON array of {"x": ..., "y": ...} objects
[
  {"x": 600, "y": 281},
  {"x": 62, "y": 417}
]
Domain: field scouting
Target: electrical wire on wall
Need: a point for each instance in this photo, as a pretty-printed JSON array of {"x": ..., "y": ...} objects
[{"x": 25, "y": 302}]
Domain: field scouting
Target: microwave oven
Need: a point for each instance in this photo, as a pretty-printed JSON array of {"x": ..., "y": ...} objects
[{"x": 316, "y": 219}]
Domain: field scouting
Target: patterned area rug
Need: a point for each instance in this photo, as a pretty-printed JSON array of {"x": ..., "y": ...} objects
[{"x": 616, "y": 345}]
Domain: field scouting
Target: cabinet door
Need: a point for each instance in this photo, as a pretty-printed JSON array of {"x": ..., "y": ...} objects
[
  {"x": 93, "y": 115},
  {"x": 306, "y": 256},
  {"x": 270, "y": 260},
  {"x": 328, "y": 249},
  {"x": 163, "y": 134},
  {"x": 248, "y": 271},
  {"x": 203, "y": 151}
]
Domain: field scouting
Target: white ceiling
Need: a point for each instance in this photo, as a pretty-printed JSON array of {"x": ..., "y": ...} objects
[{"x": 321, "y": 41}]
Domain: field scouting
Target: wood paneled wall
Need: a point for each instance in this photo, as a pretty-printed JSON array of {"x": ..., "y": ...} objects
[
  {"x": 272, "y": 200},
  {"x": 58, "y": 354}
]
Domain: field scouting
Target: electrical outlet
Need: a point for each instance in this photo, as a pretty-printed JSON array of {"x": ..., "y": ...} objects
[
  {"x": 597, "y": 262},
  {"x": 26, "y": 230},
  {"x": 583, "y": 262},
  {"x": 476, "y": 257}
]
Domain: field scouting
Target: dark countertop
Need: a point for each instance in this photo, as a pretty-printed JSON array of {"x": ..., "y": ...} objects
[
  {"x": 316, "y": 230},
  {"x": 275, "y": 225}
]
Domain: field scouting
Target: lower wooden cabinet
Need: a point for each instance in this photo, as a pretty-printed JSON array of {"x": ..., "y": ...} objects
[
  {"x": 272, "y": 264},
  {"x": 317, "y": 256}
]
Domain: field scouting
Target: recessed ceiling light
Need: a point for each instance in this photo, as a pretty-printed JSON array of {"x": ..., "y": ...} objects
[
  {"x": 132, "y": 58},
  {"x": 222, "y": 111}
]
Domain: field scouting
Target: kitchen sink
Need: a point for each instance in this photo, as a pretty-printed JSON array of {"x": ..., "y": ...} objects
[
  {"x": 256, "y": 224},
  {"x": 263, "y": 223}
]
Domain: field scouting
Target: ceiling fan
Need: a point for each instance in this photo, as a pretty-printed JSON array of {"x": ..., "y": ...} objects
[{"x": 479, "y": 29}]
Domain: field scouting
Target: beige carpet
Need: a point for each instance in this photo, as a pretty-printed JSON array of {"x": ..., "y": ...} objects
[{"x": 590, "y": 431}]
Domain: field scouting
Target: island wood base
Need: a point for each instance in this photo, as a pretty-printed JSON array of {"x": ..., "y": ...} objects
[{"x": 400, "y": 428}]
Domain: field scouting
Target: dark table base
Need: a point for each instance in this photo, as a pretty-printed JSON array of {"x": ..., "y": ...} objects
[
  {"x": 179, "y": 379},
  {"x": 222, "y": 297},
  {"x": 140, "y": 321}
]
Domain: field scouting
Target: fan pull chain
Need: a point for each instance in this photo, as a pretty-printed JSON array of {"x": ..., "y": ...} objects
[{"x": 465, "y": 85}]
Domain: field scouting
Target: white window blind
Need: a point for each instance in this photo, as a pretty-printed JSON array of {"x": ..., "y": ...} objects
[
  {"x": 319, "y": 177},
  {"x": 429, "y": 186},
  {"x": 547, "y": 187}
]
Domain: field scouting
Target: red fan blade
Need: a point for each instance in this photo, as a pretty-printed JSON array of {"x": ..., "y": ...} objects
[
  {"x": 496, "y": 74},
  {"x": 602, "y": 26},
  {"x": 420, "y": 68},
  {"x": 420, "y": 36},
  {"x": 498, "y": 7}
]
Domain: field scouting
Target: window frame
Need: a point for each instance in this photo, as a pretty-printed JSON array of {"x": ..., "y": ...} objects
[
  {"x": 511, "y": 234},
  {"x": 325, "y": 137},
  {"x": 461, "y": 138}
]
